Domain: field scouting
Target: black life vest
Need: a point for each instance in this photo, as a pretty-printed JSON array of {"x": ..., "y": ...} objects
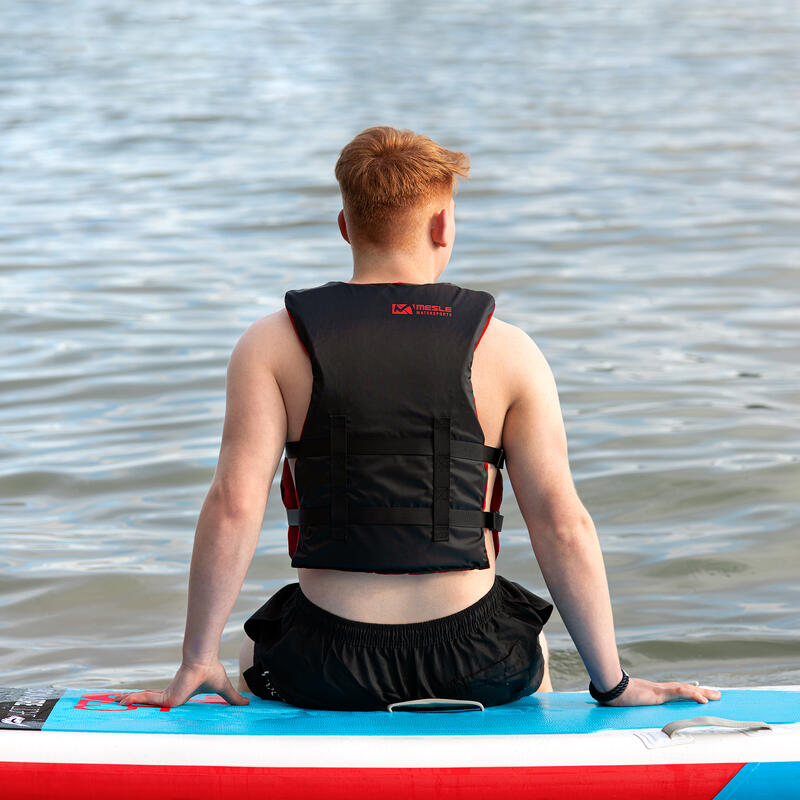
[{"x": 392, "y": 470}]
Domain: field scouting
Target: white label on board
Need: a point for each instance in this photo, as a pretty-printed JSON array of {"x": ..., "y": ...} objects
[{"x": 657, "y": 738}]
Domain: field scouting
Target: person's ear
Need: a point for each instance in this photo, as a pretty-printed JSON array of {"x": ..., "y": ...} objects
[
  {"x": 440, "y": 228},
  {"x": 343, "y": 226}
]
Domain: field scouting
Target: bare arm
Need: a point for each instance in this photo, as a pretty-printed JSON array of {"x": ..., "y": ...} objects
[
  {"x": 562, "y": 533},
  {"x": 253, "y": 438}
]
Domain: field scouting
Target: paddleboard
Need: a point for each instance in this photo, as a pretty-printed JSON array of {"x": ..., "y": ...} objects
[{"x": 76, "y": 743}]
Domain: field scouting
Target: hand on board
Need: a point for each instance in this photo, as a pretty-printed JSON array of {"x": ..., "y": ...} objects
[
  {"x": 641, "y": 692},
  {"x": 188, "y": 681}
]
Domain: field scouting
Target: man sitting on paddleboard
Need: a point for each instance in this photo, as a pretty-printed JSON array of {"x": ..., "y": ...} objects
[{"x": 398, "y": 400}]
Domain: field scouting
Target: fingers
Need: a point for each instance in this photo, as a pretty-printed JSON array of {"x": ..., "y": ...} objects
[
  {"x": 230, "y": 695},
  {"x": 146, "y": 698},
  {"x": 685, "y": 691},
  {"x": 688, "y": 691},
  {"x": 641, "y": 692},
  {"x": 177, "y": 695}
]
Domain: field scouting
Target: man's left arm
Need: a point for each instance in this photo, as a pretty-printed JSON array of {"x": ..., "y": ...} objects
[{"x": 253, "y": 438}]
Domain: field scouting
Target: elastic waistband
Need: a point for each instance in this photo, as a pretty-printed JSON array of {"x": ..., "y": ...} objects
[{"x": 411, "y": 634}]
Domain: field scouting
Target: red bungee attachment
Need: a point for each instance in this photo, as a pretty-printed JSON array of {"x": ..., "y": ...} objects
[
  {"x": 289, "y": 497},
  {"x": 494, "y": 505}
]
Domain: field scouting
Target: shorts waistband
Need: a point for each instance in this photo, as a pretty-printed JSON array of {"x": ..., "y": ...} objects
[{"x": 406, "y": 634}]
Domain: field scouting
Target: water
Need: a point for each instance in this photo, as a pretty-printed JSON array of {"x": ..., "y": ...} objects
[{"x": 167, "y": 173}]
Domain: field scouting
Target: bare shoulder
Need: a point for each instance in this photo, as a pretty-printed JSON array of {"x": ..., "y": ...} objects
[
  {"x": 269, "y": 341},
  {"x": 520, "y": 362},
  {"x": 267, "y": 332},
  {"x": 534, "y": 437}
]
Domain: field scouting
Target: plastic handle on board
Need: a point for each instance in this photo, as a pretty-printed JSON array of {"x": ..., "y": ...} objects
[
  {"x": 720, "y": 722},
  {"x": 435, "y": 704}
]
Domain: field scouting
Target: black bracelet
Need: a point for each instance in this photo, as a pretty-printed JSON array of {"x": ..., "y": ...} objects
[{"x": 611, "y": 694}]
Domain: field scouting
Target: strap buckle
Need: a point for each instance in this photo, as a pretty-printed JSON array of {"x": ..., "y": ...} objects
[{"x": 497, "y": 521}]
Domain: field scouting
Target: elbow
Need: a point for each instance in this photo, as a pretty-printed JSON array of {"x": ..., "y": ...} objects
[
  {"x": 227, "y": 503},
  {"x": 566, "y": 532},
  {"x": 576, "y": 531}
]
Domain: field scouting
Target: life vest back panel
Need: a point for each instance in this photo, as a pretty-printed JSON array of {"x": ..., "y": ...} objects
[{"x": 392, "y": 470}]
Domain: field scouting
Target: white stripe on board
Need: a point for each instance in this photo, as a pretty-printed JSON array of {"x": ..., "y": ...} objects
[{"x": 593, "y": 749}]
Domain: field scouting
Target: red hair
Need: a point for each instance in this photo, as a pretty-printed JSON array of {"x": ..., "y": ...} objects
[{"x": 383, "y": 171}]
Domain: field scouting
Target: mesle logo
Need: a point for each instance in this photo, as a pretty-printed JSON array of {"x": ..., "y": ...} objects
[{"x": 423, "y": 309}]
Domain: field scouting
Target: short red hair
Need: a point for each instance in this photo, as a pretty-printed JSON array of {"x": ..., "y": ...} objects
[{"x": 384, "y": 171}]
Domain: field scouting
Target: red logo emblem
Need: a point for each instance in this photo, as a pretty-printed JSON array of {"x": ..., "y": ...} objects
[
  {"x": 422, "y": 308},
  {"x": 101, "y": 702}
]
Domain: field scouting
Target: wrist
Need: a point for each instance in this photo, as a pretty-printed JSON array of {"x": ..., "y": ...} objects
[
  {"x": 611, "y": 694},
  {"x": 606, "y": 680},
  {"x": 198, "y": 663}
]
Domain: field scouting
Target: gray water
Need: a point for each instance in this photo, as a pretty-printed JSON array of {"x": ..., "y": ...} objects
[{"x": 167, "y": 174}]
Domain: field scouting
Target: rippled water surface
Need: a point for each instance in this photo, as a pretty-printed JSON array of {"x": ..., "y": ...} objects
[{"x": 167, "y": 173}]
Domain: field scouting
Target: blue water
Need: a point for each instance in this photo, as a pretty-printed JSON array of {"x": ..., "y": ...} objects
[{"x": 167, "y": 173}]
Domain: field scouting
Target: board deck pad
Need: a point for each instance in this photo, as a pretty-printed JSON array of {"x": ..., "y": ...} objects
[
  {"x": 551, "y": 713},
  {"x": 27, "y": 709}
]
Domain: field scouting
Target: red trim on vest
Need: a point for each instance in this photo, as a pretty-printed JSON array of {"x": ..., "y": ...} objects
[
  {"x": 291, "y": 319},
  {"x": 290, "y": 500},
  {"x": 305, "y": 419},
  {"x": 497, "y": 498},
  {"x": 288, "y": 489},
  {"x": 488, "y": 319},
  {"x": 497, "y": 489}
]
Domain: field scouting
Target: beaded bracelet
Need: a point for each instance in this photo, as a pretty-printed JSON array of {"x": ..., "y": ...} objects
[{"x": 611, "y": 694}]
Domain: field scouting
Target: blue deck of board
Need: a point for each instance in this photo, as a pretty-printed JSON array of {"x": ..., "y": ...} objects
[{"x": 553, "y": 713}]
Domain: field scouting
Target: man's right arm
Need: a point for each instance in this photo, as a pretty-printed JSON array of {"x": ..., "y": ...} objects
[{"x": 562, "y": 533}]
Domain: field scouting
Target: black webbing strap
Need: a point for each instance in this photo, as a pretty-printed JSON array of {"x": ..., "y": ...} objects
[
  {"x": 338, "y": 476},
  {"x": 338, "y": 446},
  {"x": 397, "y": 515},
  {"x": 385, "y": 445},
  {"x": 441, "y": 479}
]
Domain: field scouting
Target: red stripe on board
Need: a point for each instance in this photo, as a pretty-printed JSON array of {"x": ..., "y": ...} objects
[{"x": 133, "y": 782}]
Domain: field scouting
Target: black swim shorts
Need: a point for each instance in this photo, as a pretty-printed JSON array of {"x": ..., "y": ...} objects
[{"x": 308, "y": 657}]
